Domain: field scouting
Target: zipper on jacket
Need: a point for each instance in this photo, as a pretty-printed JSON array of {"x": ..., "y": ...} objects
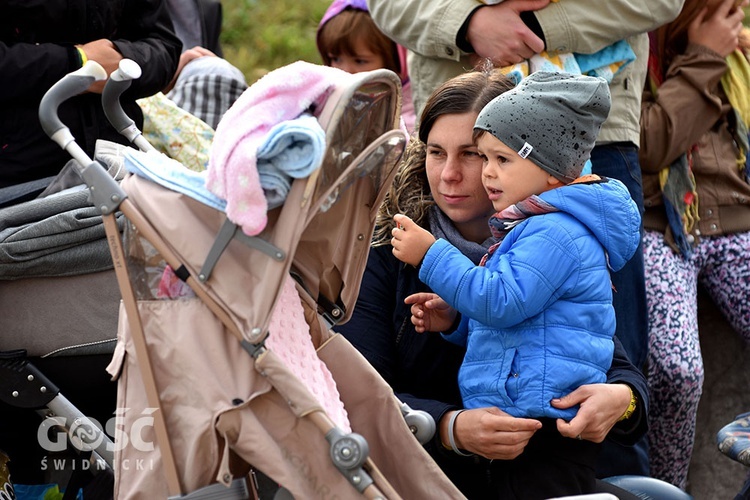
[{"x": 402, "y": 330}]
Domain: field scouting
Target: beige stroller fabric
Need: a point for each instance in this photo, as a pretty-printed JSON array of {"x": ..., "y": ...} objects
[
  {"x": 224, "y": 409},
  {"x": 201, "y": 379}
]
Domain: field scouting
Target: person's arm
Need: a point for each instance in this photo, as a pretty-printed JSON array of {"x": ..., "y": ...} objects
[
  {"x": 447, "y": 29},
  {"x": 489, "y": 432},
  {"x": 372, "y": 331},
  {"x": 428, "y": 28},
  {"x": 688, "y": 103},
  {"x": 25, "y": 58},
  {"x": 146, "y": 36},
  {"x": 602, "y": 406},
  {"x": 502, "y": 34},
  {"x": 509, "y": 294},
  {"x": 572, "y": 26}
]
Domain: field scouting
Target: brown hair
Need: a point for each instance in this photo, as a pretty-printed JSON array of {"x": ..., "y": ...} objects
[
  {"x": 410, "y": 192},
  {"x": 671, "y": 39},
  {"x": 338, "y": 35}
]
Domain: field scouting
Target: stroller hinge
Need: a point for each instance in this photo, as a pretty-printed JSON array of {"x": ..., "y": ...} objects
[
  {"x": 104, "y": 191},
  {"x": 254, "y": 350},
  {"x": 349, "y": 453},
  {"x": 229, "y": 230},
  {"x": 331, "y": 312}
]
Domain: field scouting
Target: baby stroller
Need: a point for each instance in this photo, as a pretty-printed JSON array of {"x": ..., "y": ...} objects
[
  {"x": 58, "y": 303},
  {"x": 206, "y": 398}
]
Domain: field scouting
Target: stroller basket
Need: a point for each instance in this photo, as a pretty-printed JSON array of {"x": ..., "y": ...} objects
[{"x": 219, "y": 410}]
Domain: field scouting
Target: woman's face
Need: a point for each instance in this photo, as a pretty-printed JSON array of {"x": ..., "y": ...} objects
[{"x": 454, "y": 173}]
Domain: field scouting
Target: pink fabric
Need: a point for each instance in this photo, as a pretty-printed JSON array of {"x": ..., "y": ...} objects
[
  {"x": 171, "y": 287},
  {"x": 282, "y": 94},
  {"x": 289, "y": 338}
]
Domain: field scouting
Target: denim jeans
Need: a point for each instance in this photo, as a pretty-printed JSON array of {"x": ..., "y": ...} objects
[{"x": 620, "y": 161}]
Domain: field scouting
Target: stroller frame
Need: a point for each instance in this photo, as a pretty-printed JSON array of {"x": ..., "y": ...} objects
[{"x": 349, "y": 452}]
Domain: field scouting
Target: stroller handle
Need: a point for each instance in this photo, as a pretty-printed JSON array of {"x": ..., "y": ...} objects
[
  {"x": 70, "y": 85},
  {"x": 119, "y": 81},
  {"x": 105, "y": 193}
]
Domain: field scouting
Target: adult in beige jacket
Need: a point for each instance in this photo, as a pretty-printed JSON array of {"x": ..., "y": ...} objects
[{"x": 447, "y": 37}]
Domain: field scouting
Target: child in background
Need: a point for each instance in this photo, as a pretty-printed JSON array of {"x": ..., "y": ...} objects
[
  {"x": 348, "y": 39},
  {"x": 536, "y": 315}
]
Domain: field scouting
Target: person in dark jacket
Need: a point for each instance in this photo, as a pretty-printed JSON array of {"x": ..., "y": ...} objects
[
  {"x": 41, "y": 42},
  {"x": 439, "y": 187},
  {"x": 198, "y": 23}
]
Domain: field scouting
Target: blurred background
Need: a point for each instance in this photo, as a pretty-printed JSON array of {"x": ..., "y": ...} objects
[{"x": 261, "y": 35}]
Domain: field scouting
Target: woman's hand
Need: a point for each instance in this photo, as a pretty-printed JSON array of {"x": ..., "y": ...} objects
[
  {"x": 490, "y": 432},
  {"x": 721, "y": 31},
  {"x": 601, "y": 406},
  {"x": 430, "y": 313},
  {"x": 410, "y": 242}
]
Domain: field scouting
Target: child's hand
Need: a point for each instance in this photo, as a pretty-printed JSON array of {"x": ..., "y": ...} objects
[
  {"x": 430, "y": 313},
  {"x": 410, "y": 242}
]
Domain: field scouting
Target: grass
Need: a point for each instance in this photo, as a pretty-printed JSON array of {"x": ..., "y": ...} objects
[{"x": 261, "y": 35}]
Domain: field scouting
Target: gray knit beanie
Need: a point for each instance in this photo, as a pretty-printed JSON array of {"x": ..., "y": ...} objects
[{"x": 550, "y": 118}]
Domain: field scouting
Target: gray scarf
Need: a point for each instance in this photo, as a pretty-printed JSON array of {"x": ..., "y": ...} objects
[{"x": 442, "y": 227}]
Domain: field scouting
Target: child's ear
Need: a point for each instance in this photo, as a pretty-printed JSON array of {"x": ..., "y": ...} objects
[{"x": 553, "y": 181}]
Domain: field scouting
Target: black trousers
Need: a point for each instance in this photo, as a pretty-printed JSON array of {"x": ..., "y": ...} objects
[{"x": 550, "y": 466}]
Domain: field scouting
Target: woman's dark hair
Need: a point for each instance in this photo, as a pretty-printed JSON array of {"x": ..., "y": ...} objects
[
  {"x": 338, "y": 35},
  {"x": 410, "y": 192},
  {"x": 468, "y": 92}
]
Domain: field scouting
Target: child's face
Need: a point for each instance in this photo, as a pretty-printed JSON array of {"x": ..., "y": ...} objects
[
  {"x": 508, "y": 178},
  {"x": 363, "y": 59}
]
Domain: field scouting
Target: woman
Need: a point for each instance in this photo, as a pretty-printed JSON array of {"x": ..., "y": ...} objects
[
  {"x": 439, "y": 187},
  {"x": 695, "y": 183}
]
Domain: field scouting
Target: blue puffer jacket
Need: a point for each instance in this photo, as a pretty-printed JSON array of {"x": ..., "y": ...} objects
[{"x": 538, "y": 321}]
